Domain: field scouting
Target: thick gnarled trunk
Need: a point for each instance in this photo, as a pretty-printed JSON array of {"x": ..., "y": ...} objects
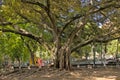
[{"x": 62, "y": 60}]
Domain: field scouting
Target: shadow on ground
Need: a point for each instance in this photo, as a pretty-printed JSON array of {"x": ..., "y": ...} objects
[{"x": 53, "y": 74}]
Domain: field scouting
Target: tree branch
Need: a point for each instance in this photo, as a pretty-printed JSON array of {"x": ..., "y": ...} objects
[
  {"x": 24, "y": 17},
  {"x": 24, "y": 33},
  {"x": 89, "y": 13},
  {"x": 82, "y": 44},
  {"x": 35, "y": 3},
  {"x": 79, "y": 26},
  {"x": 48, "y": 5},
  {"x": 5, "y": 23},
  {"x": 10, "y": 23},
  {"x": 47, "y": 10},
  {"x": 98, "y": 39}
]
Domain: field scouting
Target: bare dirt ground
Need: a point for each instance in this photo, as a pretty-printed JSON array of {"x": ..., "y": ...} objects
[{"x": 54, "y": 74}]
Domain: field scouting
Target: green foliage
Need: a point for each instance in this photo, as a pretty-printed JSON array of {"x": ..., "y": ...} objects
[
  {"x": 112, "y": 47},
  {"x": 13, "y": 46},
  {"x": 43, "y": 53},
  {"x": 75, "y": 55}
]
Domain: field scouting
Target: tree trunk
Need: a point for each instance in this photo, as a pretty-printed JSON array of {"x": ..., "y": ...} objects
[
  {"x": 94, "y": 55},
  {"x": 86, "y": 57},
  {"x": 67, "y": 59},
  {"x": 19, "y": 62},
  {"x": 62, "y": 54},
  {"x": 32, "y": 58},
  {"x": 59, "y": 59},
  {"x": 104, "y": 53},
  {"x": 62, "y": 60},
  {"x": 101, "y": 53},
  {"x": 56, "y": 61}
]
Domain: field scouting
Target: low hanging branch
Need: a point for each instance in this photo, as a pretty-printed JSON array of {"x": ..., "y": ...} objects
[
  {"x": 23, "y": 33},
  {"x": 98, "y": 39},
  {"x": 29, "y": 35},
  {"x": 5, "y": 23}
]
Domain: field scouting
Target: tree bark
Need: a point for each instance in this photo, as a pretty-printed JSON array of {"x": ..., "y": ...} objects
[
  {"x": 94, "y": 55},
  {"x": 32, "y": 58},
  {"x": 68, "y": 66},
  {"x": 101, "y": 53},
  {"x": 104, "y": 53},
  {"x": 57, "y": 61},
  {"x": 62, "y": 60}
]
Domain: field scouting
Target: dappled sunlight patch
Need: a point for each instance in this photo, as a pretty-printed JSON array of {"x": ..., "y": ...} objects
[
  {"x": 105, "y": 78},
  {"x": 112, "y": 77},
  {"x": 75, "y": 75},
  {"x": 46, "y": 76},
  {"x": 33, "y": 76}
]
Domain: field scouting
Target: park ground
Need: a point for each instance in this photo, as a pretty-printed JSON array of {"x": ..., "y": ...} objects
[{"x": 55, "y": 74}]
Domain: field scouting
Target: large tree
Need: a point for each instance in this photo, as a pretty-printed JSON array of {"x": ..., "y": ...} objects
[{"x": 68, "y": 24}]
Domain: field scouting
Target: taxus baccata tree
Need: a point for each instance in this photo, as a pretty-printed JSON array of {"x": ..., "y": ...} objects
[{"x": 61, "y": 26}]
